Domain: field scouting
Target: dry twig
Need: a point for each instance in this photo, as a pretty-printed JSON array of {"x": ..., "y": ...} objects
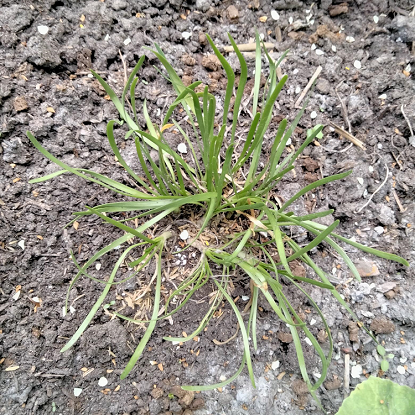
[{"x": 308, "y": 86}]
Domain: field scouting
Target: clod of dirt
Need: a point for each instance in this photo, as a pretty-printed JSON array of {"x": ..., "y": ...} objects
[
  {"x": 353, "y": 331},
  {"x": 187, "y": 79},
  {"x": 338, "y": 9},
  {"x": 386, "y": 286},
  {"x": 390, "y": 294},
  {"x": 187, "y": 398},
  {"x": 202, "y": 39},
  {"x": 404, "y": 28},
  {"x": 157, "y": 393},
  {"x": 367, "y": 268},
  {"x": 323, "y": 86},
  {"x": 358, "y": 109},
  {"x": 310, "y": 164},
  {"x": 43, "y": 52},
  {"x": 298, "y": 269},
  {"x": 211, "y": 62},
  {"x": 299, "y": 387},
  {"x": 381, "y": 325},
  {"x": 188, "y": 60},
  {"x": 333, "y": 384},
  {"x": 197, "y": 404},
  {"x": 232, "y": 12},
  {"x": 16, "y": 17},
  {"x": 324, "y": 32},
  {"x": 285, "y": 337},
  {"x": 20, "y": 104},
  {"x": 177, "y": 391},
  {"x": 322, "y": 336}
]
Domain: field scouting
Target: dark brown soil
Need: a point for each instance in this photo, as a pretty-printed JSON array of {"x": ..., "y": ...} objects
[{"x": 45, "y": 88}]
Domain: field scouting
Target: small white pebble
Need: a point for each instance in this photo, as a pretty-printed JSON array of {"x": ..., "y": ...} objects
[
  {"x": 403, "y": 359},
  {"x": 317, "y": 375},
  {"x": 222, "y": 378},
  {"x": 275, "y": 365},
  {"x": 379, "y": 230},
  {"x": 184, "y": 235},
  {"x": 261, "y": 36},
  {"x": 408, "y": 68},
  {"x": 288, "y": 143},
  {"x": 333, "y": 48},
  {"x": 357, "y": 64},
  {"x": 312, "y": 322},
  {"x": 401, "y": 370},
  {"x": 153, "y": 362},
  {"x": 186, "y": 35},
  {"x": 71, "y": 309},
  {"x": 103, "y": 382},
  {"x": 290, "y": 20},
  {"x": 360, "y": 180},
  {"x": 380, "y": 146},
  {"x": 98, "y": 266},
  {"x": 181, "y": 148},
  {"x": 275, "y": 15},
  {"x": 313, "y": 46},
  {"x": 383, "y": 96},
  {"x": 370, "y": 169},
  {"x": 17, "y": 295},
  {"x": 245, "y": 298},
  {"x": 21, "y": 244},
  {"x": 298, "y": 90},
  {"x": 312, "y": 21},
  {"x": 376, "y": 19},
  {"x": 308, "y": 341},
  {"x": 43, "y": 30},
  {"x": 319, "y": 52},
  {"x": 127, "y": 41},
  {"x": 350, "y": 39},
  {"x": 77, "y": 392},
  {"x": 313, "y": 115},
  {"x": 356, "y": 371},
  {"x": 107, "y": 37},
  {"x": 295, "y": 71}
]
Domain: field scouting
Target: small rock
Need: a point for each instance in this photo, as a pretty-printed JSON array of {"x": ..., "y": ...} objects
[
  {"x": 285, "y": 337},
  {"x": 299, "y": 387},
  {"x": 20, "y": 104},
  {"x": 77, "y": 392},
  {"x": 322, "y": 336},
  {"x": 386, "y": 215},
  {"x": 275, "y": 365},
  {"x": 381, "y": 325},
  {"x": 379, "y": 230},
  {"x": 353, "y": 331},
  {"x": 43, "y": 30},
  {"x": 338, "y": 9},
  {"x": 211, "y": 62},
  {"x": 350, "y": 39},
  {"x": 367, "y": 268},
  {"x": 232, "y": 12},
  {"x": 386, "y": 286},
  {"x": 184, "y": 235},
  {"x": 313, "y": 115},
  {"x": 181, "y": 148},
  {"x": 357, "y": 64},
  {"x": 401, "y": 370},
  {"x": 275, "y": 15},
  {"x": 356, "y": 371},
  {"x": 103, "y": 381},
  {"x": 186, "y": 35}
]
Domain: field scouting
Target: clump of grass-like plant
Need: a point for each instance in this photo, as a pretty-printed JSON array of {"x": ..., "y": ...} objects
[{"x": 210, "y": 182}]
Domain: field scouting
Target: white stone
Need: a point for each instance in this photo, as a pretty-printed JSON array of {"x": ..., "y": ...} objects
[
  {"x": 376, "y": 19},
  {"x": 43, "y": 30},
  {"x": 222, "y": 378},
  {"x": 77, "y": 392},
  {"x": 350, "y": 39},
  {"x": 313, "y": 46},
  {"x": 319, "y": 52},
  {"x": 360, "y": 180},
  {"x": 290, "y": 20},
  {"x": 275, "y": 15},
  {"x": 107, "y": 37},
  {"x": 288, "y": 143},
  {"x": 308, "y": 341},
  {"x": 357, "y": 64},
  {"x": 312, "y": 322},
  {"x": 333, "y": 48},
  {"x": 184, "y": 235},
  {"x": 103, "y": 382},
  {"x": 383, "y": 96},
  {"x": 21, "y": 244},
  {"x": 379, "y": 230},
  {"x": 356, "y": 371},
  {"x": 245, "y": 298},
  {"x": 380, "y": 146},
  {"x": 127, "y": 41},
  {"x": 98, "y": 266},
  {"x": 401, "y": 370},
  {"x": 403, "y": 359},
  {"x": 370, "y": 169},
  {"x": 313, "y": 115},
  {"x": 297, "y": 89},
  {"x": 181, "y": 148},
  {"x": 186, "y": 35},
  {"x": 275, "y": 365}
]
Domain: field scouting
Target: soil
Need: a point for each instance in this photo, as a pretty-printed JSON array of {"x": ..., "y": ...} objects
[{"x": 366, "y": 51}]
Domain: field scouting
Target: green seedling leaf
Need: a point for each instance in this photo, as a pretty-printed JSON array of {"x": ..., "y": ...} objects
[
  {"x": 377, "y": 396},
  {"x": 381, "y": 350},
  {"x": 310, "y": 131},
  {"x": 384, "y": 365}
]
